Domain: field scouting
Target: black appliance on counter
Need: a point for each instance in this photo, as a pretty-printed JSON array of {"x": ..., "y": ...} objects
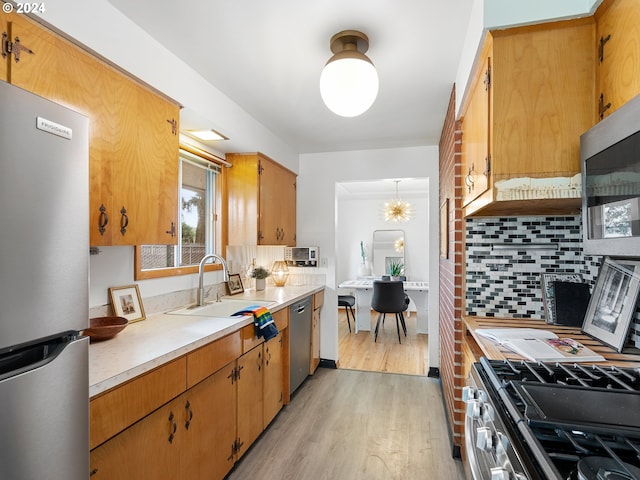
[{"x": 534, "y": 420}]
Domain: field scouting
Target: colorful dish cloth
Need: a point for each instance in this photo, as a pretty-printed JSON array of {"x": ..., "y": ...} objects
[{"x": 262, "y": 321}]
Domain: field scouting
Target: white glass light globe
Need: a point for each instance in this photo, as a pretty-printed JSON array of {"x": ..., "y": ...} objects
[{"x": 349, "y": 86}]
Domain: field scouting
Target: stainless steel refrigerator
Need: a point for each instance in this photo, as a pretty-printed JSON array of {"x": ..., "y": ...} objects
[{"x": 44, "y": 283}]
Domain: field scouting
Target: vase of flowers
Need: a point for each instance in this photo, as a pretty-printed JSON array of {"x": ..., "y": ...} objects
[
  {"x": 364, "y": 269},
  {"x": 260, "y": 274}
]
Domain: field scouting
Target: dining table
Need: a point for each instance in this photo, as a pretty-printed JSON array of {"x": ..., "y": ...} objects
[{"x": 418, "y": 292}]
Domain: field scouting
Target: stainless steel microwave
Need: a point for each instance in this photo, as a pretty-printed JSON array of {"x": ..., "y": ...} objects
[
  {"x": 301, "y": 256},
  {"x": 610, "y": 154}
]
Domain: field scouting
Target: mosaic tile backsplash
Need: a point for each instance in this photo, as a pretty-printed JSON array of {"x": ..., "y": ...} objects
[{"x": 506, "y": 255}]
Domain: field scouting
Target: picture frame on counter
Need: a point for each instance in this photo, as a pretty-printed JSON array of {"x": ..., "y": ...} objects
[
  {"x": 548, "y": 291},
  {"x": 126, "y": 302},
  {"x": 613, "y": 302},
  {"x": 235, "y": 284}
]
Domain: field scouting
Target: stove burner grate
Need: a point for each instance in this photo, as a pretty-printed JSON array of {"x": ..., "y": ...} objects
[
  {"x": 560, "y": 437},
  {"x": 606, "y": 468},
  {"x": 597, "y": 376}
]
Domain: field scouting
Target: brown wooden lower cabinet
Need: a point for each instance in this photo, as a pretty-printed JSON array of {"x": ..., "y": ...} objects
[
  {"x": 147, "y": 449},
  {"x": 201, "y": 433},
  {"x": 210, "y": 408},
  {"x": 273, "y": 376},
  {"x": 191, "y": 437},
  {"x": 318, "y": 301},
  {"x": 250, "y": 398}
]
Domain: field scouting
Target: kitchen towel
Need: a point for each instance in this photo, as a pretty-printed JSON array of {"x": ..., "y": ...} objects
[{"x": 262, "y": 321}]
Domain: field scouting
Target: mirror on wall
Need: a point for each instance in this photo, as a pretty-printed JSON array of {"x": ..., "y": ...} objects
[{"x": 388, "y": 247}]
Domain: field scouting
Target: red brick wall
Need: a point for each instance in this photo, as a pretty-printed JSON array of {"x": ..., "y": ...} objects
[{"x": 451, "y": 281}]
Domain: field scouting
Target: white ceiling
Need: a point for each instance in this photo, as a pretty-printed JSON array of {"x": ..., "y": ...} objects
[
  {"x": 407, "y": 188},
  {"x": 267, "y": 57}
]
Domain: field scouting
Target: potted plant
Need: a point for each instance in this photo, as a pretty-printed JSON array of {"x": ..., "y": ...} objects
[
  {"x": 260, "y": 274},
  {"x": 396, "y": 269}
]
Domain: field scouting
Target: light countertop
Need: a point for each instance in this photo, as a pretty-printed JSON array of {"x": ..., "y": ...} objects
[
  {"x": 147, "y": 344},
  {"x": 494, "y": 351},
  {"x": 368, "y": 284}
]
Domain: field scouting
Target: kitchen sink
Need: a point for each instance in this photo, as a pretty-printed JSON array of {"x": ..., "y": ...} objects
[{"x": 224, "y": 308}]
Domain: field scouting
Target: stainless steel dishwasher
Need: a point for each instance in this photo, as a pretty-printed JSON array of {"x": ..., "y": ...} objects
[{"x": 300, "y": 316}]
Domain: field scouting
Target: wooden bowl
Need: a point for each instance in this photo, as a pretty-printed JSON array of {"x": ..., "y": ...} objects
[{"x": 103, "y": 328}]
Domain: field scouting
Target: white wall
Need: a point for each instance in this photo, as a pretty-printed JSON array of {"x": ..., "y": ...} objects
[
  {"x": 501, "y": 13},
  {"x": 357, "y": 218},
  {"x": 114, "y": 266},
  {"x": 317, "y": 220}
]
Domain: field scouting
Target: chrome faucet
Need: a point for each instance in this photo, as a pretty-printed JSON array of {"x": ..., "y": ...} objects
[{"x": 225, "y": 273}]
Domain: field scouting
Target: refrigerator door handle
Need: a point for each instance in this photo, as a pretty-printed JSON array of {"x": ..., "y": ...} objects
[{"x": 40, "y": 399}]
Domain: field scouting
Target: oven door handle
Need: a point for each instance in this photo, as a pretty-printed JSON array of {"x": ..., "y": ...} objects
[{"x": 470, "y": 447}]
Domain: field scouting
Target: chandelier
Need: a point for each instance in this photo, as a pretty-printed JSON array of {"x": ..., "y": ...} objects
[{"x": 397, "y": 210}]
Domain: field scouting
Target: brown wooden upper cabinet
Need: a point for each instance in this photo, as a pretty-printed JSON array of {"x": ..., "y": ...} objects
[
  {"x": 618, "y": 45},
  {"x": 261, "y": 203},
  {"x": 530, "y": 99},
  {"x": 476, "y": 154},
  {"x": 133, "y": 144}
]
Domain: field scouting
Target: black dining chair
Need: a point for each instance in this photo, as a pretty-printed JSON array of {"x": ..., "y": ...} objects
[
  {"x": 348, "y": 301},
  {"x": 389, "y": 297}
]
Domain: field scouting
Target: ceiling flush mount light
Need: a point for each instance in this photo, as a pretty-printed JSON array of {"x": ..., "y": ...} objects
[
  {"x": 397, "y": 210},
  {"x": 349, "y": 81},
  {"x": 206, "y": 135}
]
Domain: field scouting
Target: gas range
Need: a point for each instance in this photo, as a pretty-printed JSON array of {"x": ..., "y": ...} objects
[{"x": 528, "y": 420}]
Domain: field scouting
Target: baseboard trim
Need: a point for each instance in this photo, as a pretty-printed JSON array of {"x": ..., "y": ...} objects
[
  {"x": 326, "y": 363},
  {"x": 456, "y": 452},
  {"x": 434, "y": 372}
]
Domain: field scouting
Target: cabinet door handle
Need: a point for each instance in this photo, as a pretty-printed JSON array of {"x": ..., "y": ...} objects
[
  {"x": 267, "y": 358},
  {"x": 174, "y": 125},
  {"x": 469, "y": 179},
  {"x": 93, "y": 472},
  {"x": 189, "y": 415},
  {"x": 103, "y": 219},
  {"x": 173, "y": 427},
  {"x": 259, "y": 361},
  {"x": 602, "y": 107},
  {"x": 603, "y": 41},
  {"x": 124, "y": 221},
  {"x": 172, "y": 232}
]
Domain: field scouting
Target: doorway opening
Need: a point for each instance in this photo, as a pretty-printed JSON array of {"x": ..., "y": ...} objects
[{"x": 360, "y": 212}]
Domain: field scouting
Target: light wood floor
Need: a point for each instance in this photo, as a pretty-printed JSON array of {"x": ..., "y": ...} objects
[
  {"x": 355, "y": 425},
  {"x": 360, "y": 352}
]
